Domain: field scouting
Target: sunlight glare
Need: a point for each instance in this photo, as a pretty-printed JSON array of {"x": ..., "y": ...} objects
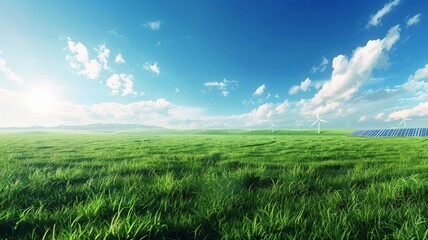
[{"x": 41, "y": 100}]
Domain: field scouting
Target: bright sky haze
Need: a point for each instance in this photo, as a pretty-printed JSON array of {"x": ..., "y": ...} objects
[{"x": 195, "y": 64}]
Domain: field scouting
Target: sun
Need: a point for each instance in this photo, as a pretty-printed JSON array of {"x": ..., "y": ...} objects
[{"x": 41, "y": 100}]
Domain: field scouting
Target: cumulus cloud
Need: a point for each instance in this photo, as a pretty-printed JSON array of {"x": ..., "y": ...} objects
[
  {"x": 421, "y": 110},
  {"x": 121, "y": 83},
  {"x": 223, "y": 86},
  {"x": 260, "y": 90},
  {"x": 413, "y": 20},
  {"x": 349, "y": 75},
  {"x": 152, "y": 67},
  {"x": 103, "y": 53},
  {"x": 375, "y": 20},
  {"x": 79, "y": 60},
  {"x": 155, "y": 25},
  {"x": 119, "y": 59},
  {"x": 9, "y": 74},
  {"x": 304, "y": 86},
  {"x": 417, "y": 84},
  {"x": 281, "y": 108},
  {"x": 321, "y": 67}
]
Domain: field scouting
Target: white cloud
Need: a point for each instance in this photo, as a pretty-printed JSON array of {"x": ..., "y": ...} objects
[
  {"x": 281, "y": 108},
  {"x": 159, "y": 112},
  {"x": 119, "y": 59},
  {"x": 152, "y": 67},
  {"x": 116, "y": 34},
  {"x": 375, "y": 20},
  {"x": 155, "y": 25},
  {"x": 421, "y": 110},
  {"x": 363, "y": 118},
  {"x": 9, "y": 74},
  {"x": 321, "y": 67},
  {"x": 103, "y": 53},
  {"x": 222, "y": 86},
  {"x": 121, "y": 82},
  {"x": 416, "y": 83},
  {"x": 260, "y": 90},
  {"x": 379, "y": 116},
  {"x": 177, "y": 90},
  {"x": 79, "y": 60},
  {"x": 304, "y": 86},
  {"x": 413, "y": 20},
  {"x": 349, "y": 75}
]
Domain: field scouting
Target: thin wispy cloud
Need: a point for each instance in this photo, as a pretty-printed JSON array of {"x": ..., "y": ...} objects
[
  {"x": 154, "y": 68},
  {"x": 119, "y": 59},
  {"x": 413, "y": 20},
  {"x": 177, "y": 90},
  {"x": 155, "y": 25},
  {"x": 379, "y": 116},
  {"x": 224, "y": 86},
  {"x": 117, "y": 34},
  {"x": 363, "y": 118},
  {"x": 376, "y": 19},
  {"x": 260, "y": 90},
  {"x": 9, "y": 74},
  {"x": 321, "y": 67},
  {"x": 78, "y": 59}
]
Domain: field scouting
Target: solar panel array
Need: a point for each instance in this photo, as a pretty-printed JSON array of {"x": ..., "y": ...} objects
[{"x": 399, "y": 132}]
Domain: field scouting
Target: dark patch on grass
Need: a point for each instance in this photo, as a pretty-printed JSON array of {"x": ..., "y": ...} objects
[
  {"x": 258, "y": 144},
  {"x": 334, "y": 169},
  {"x": 253, "y": 182},
  {"x": 140, "y": 172},
  {"x": 44, "y": 147},
  {"x": 211, "y": 159},
  {"x": 233, "y": 165}
]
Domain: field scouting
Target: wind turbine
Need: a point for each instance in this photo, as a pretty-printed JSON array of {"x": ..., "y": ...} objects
[
  {"x": 298, "y": 125},
  {"x": 228, "y": 126},
  {"x": 319, "y": 120},
  {"x": 403, "y": 122},
  {"x": 272, "y": 126}
]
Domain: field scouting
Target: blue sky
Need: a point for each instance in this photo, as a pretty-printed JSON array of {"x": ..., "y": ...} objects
[{"x": 192, "y": 64}]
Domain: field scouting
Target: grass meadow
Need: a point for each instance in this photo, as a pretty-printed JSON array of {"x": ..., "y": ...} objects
[{"x": 212, "y": 185}]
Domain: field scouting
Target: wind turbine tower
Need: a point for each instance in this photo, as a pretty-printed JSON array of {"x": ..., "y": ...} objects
[
  {"x": 319, "y": 120},
  {"x": 403, "y": 121},
  {"x": 272, "y": 126},
  {"x": 298, "y": 125}
]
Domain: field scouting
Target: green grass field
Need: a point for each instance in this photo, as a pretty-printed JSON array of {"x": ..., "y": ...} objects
[{"x": 258, "y": 185}]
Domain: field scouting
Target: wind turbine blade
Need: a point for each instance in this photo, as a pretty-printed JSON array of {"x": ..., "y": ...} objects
[
  {"x": 314, "y": 123},
  {"x": 318, "y": 117},
  {"x": 323, "y": 121},
  {"x": 402, "y": 121}
]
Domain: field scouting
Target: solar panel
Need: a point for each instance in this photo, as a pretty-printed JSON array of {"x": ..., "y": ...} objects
[{"x": 402, "y": 132}]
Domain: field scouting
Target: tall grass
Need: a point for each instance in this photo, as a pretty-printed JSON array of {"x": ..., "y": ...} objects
[{"x": 230, "y": 186}]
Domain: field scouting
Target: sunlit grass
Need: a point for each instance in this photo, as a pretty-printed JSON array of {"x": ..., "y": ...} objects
[{"x": 212, "y": 185}]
